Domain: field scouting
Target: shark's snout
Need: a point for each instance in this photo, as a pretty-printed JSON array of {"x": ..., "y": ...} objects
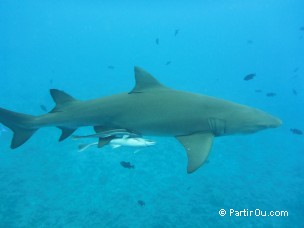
[
  {"x": 251, "y": 120},
  {"x": 276, "y": 123},
  {"x": 271, "y": 122}
]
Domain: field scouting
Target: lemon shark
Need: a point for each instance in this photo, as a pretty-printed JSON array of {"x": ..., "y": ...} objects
[{"x": 150, "y": 108}]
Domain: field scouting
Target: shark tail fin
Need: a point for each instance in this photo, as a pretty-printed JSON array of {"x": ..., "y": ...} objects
[{"x": 20, "y": 124}]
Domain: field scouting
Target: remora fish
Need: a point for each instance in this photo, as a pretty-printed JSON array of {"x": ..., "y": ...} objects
[
  {"x": 124, "y": 141},
  {"x": 133, "y": 142},
  {"x": 117, "y": 133},
  {"x": 150, "y": 108}
]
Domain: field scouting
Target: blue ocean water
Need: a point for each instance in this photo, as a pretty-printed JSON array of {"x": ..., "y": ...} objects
[{"x": 89, "y": 49}]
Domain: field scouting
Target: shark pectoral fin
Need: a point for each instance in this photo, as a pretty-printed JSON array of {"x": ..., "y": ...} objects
[
  {"x": 197, "y": 147},
  {"x": 66, "y": 132}
]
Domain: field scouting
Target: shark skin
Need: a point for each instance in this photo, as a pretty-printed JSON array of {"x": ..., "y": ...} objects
[{"x": 149, "y": 109}]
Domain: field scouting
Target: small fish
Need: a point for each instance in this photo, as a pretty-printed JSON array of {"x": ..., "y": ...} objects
[
  {"x": 302, "y": 28},
  {"x": 249, "y": 42},
  {"x": 294, "y": 92},
  {"x": 127, "y": 165},
  {"x": 271, "y": 94},
  {"x": 157, "y": 41},
  {"x": 295, "y": 70},
  {"x": 176, "y": 32},
  {"x": 43, "y": 108},
  {"x": 168, "y": 63},
  {"x": 111, "y": 67},
  {"x": 296, "y": 131},
  {"x": 258, "y": 90},
  {"x": 249, "y": 77},
  {"x": 141, "y": 203}
]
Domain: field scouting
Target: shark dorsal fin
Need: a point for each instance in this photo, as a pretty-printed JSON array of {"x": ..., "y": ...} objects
[{"x": 144, "y": 81}]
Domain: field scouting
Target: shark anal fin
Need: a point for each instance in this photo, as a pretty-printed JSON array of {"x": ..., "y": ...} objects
[
  {"x": 197, "y": 146},
  {"x": 66, "y": 132}
]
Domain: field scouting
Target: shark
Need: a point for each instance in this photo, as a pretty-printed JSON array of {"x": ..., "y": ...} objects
[{"x": 150, "y": 108}]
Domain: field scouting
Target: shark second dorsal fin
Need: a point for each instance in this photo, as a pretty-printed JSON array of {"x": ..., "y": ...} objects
[
  {"x": 144, "y": 81},
  {"x": 60, "y": 98}
]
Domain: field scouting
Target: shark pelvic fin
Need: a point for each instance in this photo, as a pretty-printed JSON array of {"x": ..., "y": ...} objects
[
  {"x": 197, "y": 146},
  {"x": 144, "y": 81}
]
